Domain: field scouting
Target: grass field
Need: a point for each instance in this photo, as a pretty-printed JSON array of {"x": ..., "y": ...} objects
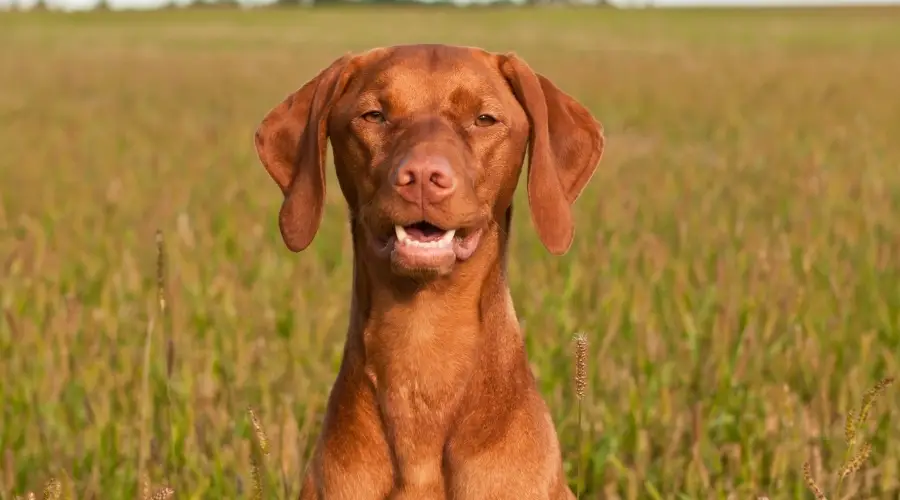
[{"x": 736, "y": 264}]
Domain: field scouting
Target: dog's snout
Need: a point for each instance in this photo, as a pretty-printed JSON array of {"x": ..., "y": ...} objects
[{"x": 425, "y": 180}]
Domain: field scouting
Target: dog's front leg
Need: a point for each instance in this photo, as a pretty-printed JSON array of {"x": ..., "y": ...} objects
[
  {"x": 524, "y": 463},
  {"x": 352, "y": 460}
]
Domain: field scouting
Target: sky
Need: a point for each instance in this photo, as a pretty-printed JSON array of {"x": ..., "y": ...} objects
[{"x": 145, "y": 4}]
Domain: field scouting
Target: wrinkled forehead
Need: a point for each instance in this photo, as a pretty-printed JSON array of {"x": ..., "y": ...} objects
[{"x": 409, "y": 78}]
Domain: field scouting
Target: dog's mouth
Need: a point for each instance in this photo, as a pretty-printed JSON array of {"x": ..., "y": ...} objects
[{"x": 422, "y": 246}]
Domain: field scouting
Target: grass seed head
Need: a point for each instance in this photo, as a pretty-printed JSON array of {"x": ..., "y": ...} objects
[
  {"x": 256, "y": 461},
  {"x": 857, "y": 461},
  {"x": 145, "y": 486},
  {"x": 163, "y": 494},
  {"x": 870, "y": 397},
  {"x": 811, "y": 483},
  {"x": 160, "y": 271},
  {"x": 581, "y": 345},
  {"x": 850, "y": 428},
  {"x": 261, "y": 439},
  {"x": 52, "y": 490}
]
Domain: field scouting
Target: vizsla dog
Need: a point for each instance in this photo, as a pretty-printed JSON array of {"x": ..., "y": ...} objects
[{"x": 434, "y": 398}]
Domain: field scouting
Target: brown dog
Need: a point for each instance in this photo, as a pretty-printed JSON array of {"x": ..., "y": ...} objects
[{"x": 434, "y": 398}]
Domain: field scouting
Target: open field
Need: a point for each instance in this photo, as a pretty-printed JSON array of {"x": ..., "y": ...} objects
[{"x": 736, "y": 264}]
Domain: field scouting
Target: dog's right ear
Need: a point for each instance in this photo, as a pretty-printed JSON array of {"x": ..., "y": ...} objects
[{"x": 291, "y": 142}]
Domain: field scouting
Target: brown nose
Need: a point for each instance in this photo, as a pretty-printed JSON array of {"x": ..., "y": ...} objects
[{"x": 425, "y": 180}]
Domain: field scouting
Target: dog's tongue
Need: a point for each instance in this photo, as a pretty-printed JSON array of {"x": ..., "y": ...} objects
[{"x": 423, "y": 231}]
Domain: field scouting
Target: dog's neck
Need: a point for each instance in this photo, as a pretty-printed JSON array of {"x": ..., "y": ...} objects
[{"x": 449, "y": 319}]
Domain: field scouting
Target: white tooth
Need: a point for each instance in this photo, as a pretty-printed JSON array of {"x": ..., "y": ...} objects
[
  {"x": 447, "y": 237},
  {"x": 401, "y": 233}
]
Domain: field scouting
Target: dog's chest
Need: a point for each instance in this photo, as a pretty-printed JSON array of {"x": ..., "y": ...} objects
[
  {"x": 418, "y": 399},
  {"x": 422, "y": 373},
  {"x": 424, "y": 385},
  {"x": 415, "y": 402}
]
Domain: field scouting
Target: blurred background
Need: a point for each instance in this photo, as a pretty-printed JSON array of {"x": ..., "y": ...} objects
[
  {"x": 735, "y": 266},
  {"x": 156, "y": 4}
]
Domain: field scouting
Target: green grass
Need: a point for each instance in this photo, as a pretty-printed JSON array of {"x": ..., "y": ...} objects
[{"x": 736, "y": 265}]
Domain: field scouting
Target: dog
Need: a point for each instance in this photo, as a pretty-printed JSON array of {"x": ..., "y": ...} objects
[{"x": 434, "y": 398}]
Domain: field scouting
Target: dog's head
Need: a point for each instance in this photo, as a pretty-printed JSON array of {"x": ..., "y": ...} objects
[{"x": 428, "y": 143}]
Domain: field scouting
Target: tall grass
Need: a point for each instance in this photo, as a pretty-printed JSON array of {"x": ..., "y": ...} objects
[
  {"x": 735, "y": 268},
  {"x": 854, "y": 458}
]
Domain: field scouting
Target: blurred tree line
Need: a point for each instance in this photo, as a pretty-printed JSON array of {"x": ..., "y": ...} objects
[
  {"x": 311, "y": 3},
  {"x": 106, "y": 4}
]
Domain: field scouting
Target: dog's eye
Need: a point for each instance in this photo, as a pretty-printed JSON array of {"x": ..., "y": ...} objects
[
  {"x": 374, "y": 117},
  {"x": 485, "y": 120}
]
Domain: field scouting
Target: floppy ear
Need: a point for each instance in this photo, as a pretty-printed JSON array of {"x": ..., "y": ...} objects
[
  {"x": 291, "y": 142},
  {"x": 564, "y": 148}
]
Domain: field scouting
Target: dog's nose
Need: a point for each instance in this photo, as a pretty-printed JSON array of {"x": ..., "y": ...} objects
[{"x": 425, "y": 180}]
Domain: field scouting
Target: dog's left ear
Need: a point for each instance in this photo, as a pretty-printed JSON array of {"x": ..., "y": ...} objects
[
  {"x": 291, "y": 143},
  {"x": 564, "y": 148}
]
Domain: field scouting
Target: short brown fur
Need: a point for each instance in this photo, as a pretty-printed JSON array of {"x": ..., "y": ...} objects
[{"x": 434, "y": 398}]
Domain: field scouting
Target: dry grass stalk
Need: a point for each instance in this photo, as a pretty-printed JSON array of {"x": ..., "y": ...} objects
[
  {"x": 161, "y": 300},
  {"x": 258, "y": 453},
  {"x": 853, "y": 460},
  {"x": 870, "y": 397},
  {"x": 160, "y": 271},
  {"x": 811, "y": 482},
  {"x": 581, "y": 349},
  {"x": 165, "y": 321},
  {"x": 856, "y": 462},
  {"x": 146, "y": 396},
  {"x": 145, "y": 406}
]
